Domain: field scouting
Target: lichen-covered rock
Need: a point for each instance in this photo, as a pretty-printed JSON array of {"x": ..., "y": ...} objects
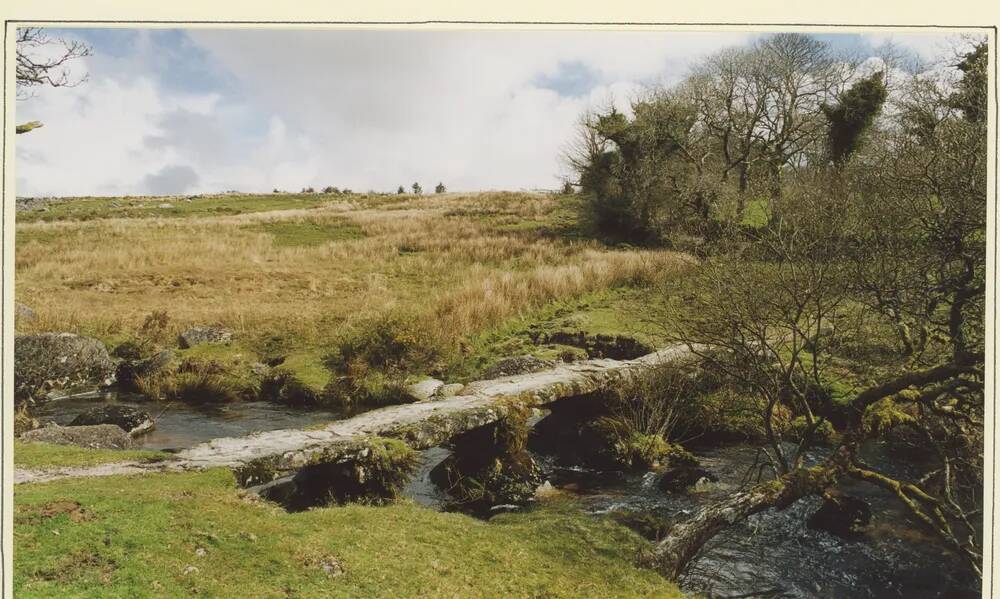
[
  {"x": 204, "y": 334},
  {"x": 48, "y": 361},
  {"x": 98, "y": 436},
  {"x": 450, "y": 390},
  {"x": 132, "y": 420},
  {"x": 424, "y": 390},
  {"x": 517, "y": 365}
]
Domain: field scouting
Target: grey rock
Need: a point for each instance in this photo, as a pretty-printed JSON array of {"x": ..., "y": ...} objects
[
  {"x": 23, "y": 312},
  {"x": 424, "y": 390},
  {"x": 450, "y": 390},
  {"x": 132, "y": 420},
  {"x": 204, "y": 334},
  {"x": 48, "y": 361},
  {"x": 98, "y": 436}
]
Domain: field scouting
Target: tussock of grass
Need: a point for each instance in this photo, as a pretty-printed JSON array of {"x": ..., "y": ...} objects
[
  {"x": 46, "y": 455},
  {"x": 176, "y": 535}
]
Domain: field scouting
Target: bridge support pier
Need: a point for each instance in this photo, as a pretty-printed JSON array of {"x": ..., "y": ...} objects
[{"x": 491, "y": 465}]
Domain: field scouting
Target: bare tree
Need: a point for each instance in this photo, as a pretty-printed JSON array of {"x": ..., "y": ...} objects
[{"x": 42, "y": 60}]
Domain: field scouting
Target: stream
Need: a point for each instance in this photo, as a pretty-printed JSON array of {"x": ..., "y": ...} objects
[
  {"x": 180, "y": 425},
  {"x": 772, "y": 554}
]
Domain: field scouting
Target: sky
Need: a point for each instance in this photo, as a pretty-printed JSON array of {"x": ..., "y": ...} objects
[{"x": 170, "y": 111}]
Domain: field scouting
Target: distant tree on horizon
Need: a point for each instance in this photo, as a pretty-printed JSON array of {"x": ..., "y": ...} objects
[
  {"x": 401, "y": 190},
  {"x": 440, "y": 188},
  {"x": 417, "y": 190}
]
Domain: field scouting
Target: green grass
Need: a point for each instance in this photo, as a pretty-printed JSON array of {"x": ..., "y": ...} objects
[
  {"x": 178, "y": 535},
  {"x": 45, "y": 455},
  {"x": 627, "y": 311},
  {"x": 90, "y": 208},
  {"x": 299, "y": 234},
  {"x": 756, "y": 214},
  {"x": 308, "y": 369}
]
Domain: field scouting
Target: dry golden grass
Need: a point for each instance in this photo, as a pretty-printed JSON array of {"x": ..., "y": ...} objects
[{"x": 447, "y": 260}]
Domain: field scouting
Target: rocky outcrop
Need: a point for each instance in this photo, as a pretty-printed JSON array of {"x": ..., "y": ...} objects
[
  {"x": 204, "y": 334},
  {"x": 132, "y": 420},
  {"x": 99, "y": 436},
  {"x": 48, "y": 361}
]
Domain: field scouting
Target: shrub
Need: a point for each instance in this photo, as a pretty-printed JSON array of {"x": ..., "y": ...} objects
[
  {"x": 330, "y": 189},
  {"x": 389, "y": 343},
  {"x": 645, "y": 413}
]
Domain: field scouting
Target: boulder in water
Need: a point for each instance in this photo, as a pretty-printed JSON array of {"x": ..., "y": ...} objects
[
  {"x": 48, "y": 361},
  {"x": 842, "y": 515},
  {"x": 132, "y": 420},
  {"x": 98, "y": 436},
  {"x": 204, "y": 334},
  {"x": 682, "y": 478}
]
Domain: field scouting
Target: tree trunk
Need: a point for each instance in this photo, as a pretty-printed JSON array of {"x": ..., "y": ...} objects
[{"x": 685, "y": 540}]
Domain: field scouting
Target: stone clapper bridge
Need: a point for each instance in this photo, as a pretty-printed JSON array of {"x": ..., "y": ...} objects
[{"x": 265, "y": 459}]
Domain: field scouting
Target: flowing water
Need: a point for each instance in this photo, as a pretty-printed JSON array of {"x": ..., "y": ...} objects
[
  {"x": 772, "y": 554},
  {"x": 180, "y": 425}
]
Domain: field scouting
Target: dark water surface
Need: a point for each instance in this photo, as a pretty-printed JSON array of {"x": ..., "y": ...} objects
[{"x": 772, "y": 554}]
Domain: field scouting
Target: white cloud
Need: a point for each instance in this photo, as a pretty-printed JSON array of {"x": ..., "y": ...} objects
[{"x": 353, "y": 108}]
